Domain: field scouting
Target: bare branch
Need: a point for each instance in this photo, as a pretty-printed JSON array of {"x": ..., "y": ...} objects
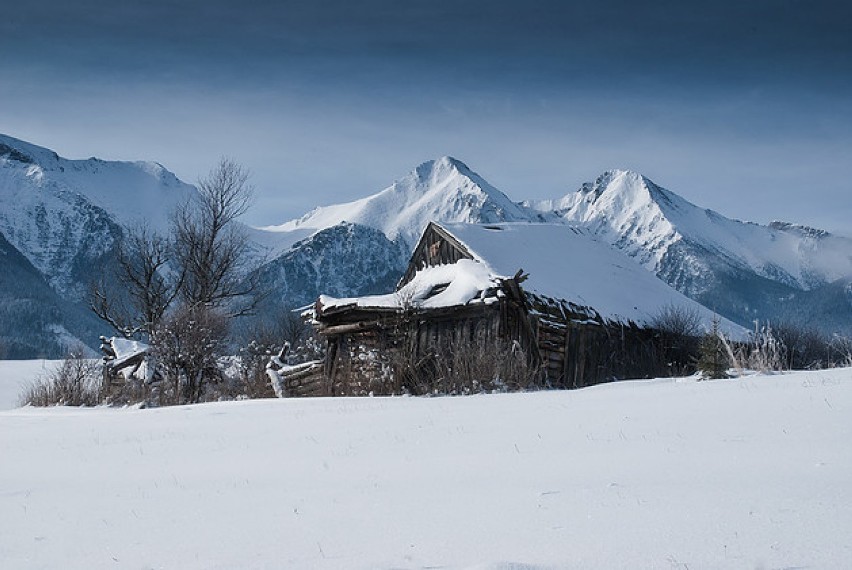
[
  {"x": 142, "y": 272},
  {"x": 210, "y": 247}
]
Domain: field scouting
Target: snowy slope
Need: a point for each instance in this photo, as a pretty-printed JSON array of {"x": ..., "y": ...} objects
[
  {"x": 444, "y": 190},
  {"x": 34, "y": 320},
  {"x": 66, "y": 216},
  {"x": 659, "y": 474}
]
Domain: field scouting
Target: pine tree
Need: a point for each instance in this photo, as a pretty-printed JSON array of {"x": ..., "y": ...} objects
[{"x": 712, "y": 356}]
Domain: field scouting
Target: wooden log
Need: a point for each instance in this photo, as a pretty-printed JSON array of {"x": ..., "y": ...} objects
[
  {"x": 343, "y": 329},
  {"x": 315, "y": 368}
]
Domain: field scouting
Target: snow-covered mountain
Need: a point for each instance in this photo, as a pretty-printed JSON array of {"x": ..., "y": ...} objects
[
  {"x": 443, "y": 190},
  {"x": 64, "y": 218},
  {"x": 131, "y": 192},
  {"x": 744, "y": 270}
]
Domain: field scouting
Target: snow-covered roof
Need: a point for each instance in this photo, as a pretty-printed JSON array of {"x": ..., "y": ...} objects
[
  {"x": 432, "y": 287},
  {"x": 125, "y": 350},
  {"x": 562, "y": 261},
  {"x": 567, "y": 262}
]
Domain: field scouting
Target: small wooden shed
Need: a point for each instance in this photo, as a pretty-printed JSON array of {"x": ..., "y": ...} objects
[{"x": 523, "y": 288}]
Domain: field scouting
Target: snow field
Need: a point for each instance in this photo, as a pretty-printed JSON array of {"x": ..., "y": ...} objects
[
  {"x": 750, "y": 473},
  {"x": 16, "y": 375}
]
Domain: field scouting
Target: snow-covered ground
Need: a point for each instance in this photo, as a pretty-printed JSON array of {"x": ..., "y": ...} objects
[{"x": 750, "y": 473}]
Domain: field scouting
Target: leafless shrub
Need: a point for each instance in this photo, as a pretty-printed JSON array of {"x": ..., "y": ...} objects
[
  {"x": 75, "y": 382},
  {"x": 186, "y": 348},
  {"x": 841, "y": 348},
  {"x": 679, "y": 329},
  {"x": 464, "y": 367},
  {"x": 764, "y": 351},
  {"x": 678, "y": 320},
  {"x": 496, "y": 365},
  {"x": 805, "y": 346}
]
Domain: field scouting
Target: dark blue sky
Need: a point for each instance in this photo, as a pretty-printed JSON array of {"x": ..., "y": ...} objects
[{"x": 745, "y": 107}]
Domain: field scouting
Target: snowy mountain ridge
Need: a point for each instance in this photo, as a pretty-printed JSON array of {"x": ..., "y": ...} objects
[
  {"x": 444, "y": 190},
  {"x": 132, "y": 192},
  {"x": 648, "y": 222}
]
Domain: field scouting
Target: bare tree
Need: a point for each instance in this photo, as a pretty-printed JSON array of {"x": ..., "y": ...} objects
[
  {"x": 142, "y": 273},
  {"x": 181, "y": 291},
  {"x": 206, "y": 260},
  {"x": 211, "y": 247}
]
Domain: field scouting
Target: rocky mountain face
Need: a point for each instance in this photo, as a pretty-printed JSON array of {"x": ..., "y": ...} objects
[{"x": 342, "y": 260}]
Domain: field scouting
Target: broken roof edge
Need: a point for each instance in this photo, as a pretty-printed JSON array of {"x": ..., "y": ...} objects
[{"x": 438, "y": 286}]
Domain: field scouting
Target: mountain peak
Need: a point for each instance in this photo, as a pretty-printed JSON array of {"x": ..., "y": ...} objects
[
  {"x": 443, "y": 189},
  {"x": 618, "y": 181},
  {"x": 442, "y": 168},
  {"x": 444, "y": 162}
]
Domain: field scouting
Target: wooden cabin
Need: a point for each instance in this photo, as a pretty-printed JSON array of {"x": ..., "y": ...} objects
[{"x": 516, "y": 295}]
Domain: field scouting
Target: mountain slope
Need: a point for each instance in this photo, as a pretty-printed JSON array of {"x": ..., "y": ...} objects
[
  {"x": 34, "y": 320},
  {"x": 743, "y": 270}
]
